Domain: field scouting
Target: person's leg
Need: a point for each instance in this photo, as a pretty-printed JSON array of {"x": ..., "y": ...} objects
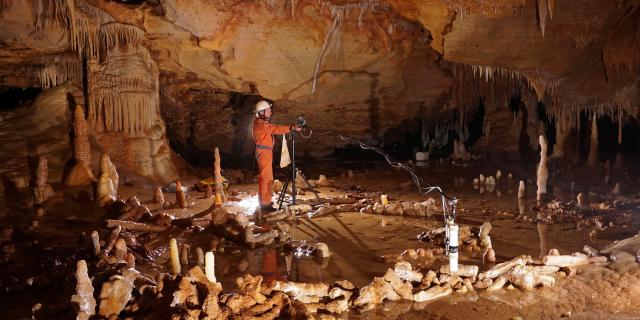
[{"x": 265, "y": 179}]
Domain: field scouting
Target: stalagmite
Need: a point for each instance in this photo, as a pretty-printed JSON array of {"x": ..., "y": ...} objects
[
  {"x": 184, "y": 255},
  {"x": 95, "y": 242},
  {"x": 158, "y": 197},
  {"x": 565, "y": 260},
  {"x": 592, "y": 160},
  {"x": 120, "y": 249},
  {"x": 43, "y": 189},
  {"x": 181, "y": 200},
  {"x": 130, "y": 259},
  {"x": 114, "y": 296},
  {"x": 81, "y": 173},
  {"x": 83, "y": 300},
  {"x": 582, "y": 200},
  {"x": 521, "y": 190},
  {"x": 483, "y": 235},
  {"x": 497, "y": 284},
  {"x": 199, "y": 257},
  {"x": 542, "y": 172},
  {"x": 616, "y": 189},
  {"x": 113, "y": 237},
  {"x": 489, "y": 255},
  {"x": 525, "y": 277},
  {"x": 463, "y": 270},
  {"x": 504, "y": 267},
  {"x": 107, "y": 189},
  {"x": 218, "y": 177},
  {"x": 209, "y": 263},
  {"x": 322, "y": 250},
  {"x": 137, "y": 226},
  {"x": 174, "y": 255}
]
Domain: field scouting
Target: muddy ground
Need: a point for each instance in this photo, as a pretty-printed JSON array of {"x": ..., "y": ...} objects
[{"x": 40, "y": 251}]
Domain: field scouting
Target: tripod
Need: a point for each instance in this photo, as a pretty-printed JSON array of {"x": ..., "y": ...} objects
[{"x": 292, "y": 178}]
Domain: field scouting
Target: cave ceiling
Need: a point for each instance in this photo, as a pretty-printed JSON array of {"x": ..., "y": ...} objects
[{"x": 328, "y": 53}]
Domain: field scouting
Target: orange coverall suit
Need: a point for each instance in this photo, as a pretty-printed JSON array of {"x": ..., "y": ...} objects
[{"x": 262, "y": 133}]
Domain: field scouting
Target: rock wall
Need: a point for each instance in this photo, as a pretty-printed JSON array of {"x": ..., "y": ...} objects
[{"x": 362, "y": 68}]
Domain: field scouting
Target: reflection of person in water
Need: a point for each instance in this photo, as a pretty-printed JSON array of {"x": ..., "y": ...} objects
[{"x": 270, "y": 267}]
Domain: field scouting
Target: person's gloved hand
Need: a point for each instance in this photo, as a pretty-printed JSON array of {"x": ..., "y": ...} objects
[{"x": 295, "y": 127}]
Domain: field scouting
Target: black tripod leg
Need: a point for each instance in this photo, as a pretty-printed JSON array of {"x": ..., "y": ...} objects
[
  {"x": 315, "y": 192},
  {"x": 283, "y": 192}
]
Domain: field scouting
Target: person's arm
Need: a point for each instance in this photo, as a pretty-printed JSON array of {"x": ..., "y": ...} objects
[{"x": 279, "y": 129}]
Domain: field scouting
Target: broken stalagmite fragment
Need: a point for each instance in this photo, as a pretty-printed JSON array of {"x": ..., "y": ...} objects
[
  {"x": 199, "y": 257},
  {"x": 83, "y": 300},
  {"x": 158, "y": 197},
  {"x": 107, "y": 189},
  {"x": 43, "y": 189},
  {"x": 175, "y": 260},
  {"x": 95, "y": 243},
  {"x": 181, "y": 200},
  {"x": 209, "y": 266}
]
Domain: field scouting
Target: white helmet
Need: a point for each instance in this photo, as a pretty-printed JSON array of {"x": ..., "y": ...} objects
[{"x": 262, "y": 105}]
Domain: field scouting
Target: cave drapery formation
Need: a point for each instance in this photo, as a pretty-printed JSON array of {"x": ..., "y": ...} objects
[{"x": 355, "y": 67}]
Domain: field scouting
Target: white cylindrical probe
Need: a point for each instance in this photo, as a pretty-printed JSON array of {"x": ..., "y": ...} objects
[{"x": 453, "y": 247}]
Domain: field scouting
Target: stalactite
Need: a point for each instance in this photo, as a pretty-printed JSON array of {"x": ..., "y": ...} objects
[
  {"x": 542, "y": 14},
  {"x": 621, "y": 52},
  {"x": 56, "y": 12},
  {"x": 338, "y": 13},
  {"x": 551, "y": 4},
  {"x": 119, "y": 34},
  {"x": 63, "y": 68},
  {"x": 487, "y": 8},
  {"x": 495, "y": 85},
  {"x": 125, "y": 91},
  {"x": 337, "y": 21},
  {"x": 4, "y": 6}
]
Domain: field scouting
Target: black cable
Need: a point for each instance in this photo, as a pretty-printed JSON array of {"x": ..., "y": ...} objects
[{"x": 416, "y": 180}]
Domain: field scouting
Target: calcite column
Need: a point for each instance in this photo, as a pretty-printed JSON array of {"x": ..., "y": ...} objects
[
  {"x": 543, "y": 172},
  {"x": 218, "y": 178},
  {"x": 81, "y": 173}
]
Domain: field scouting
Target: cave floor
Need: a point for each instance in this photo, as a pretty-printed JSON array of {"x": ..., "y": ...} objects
[{"x": 42, "y": 250}]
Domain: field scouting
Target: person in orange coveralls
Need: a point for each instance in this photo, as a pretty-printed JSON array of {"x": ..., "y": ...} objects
[{"x": 263, "y": 132}]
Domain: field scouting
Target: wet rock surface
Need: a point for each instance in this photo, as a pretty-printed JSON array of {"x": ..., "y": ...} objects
[{"x": 351, "y": 280}]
